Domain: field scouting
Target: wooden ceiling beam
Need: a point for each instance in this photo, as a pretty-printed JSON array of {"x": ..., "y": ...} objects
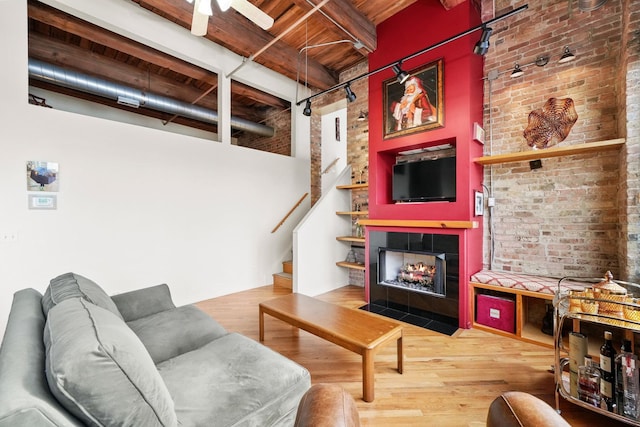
[
  {"x": 346, "y": 15},
  {"x": 223, "y": 29}
]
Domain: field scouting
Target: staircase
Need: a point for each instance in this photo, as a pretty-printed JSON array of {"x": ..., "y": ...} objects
[{"x": 285, "y": 278}]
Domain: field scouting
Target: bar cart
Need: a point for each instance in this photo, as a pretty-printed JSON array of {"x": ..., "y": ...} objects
[{"x": 588, "y": 307}]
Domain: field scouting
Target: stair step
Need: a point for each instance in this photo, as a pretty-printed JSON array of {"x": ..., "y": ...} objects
[
  {"x": 283, "y": 280},
  {"x": 287, "y": 267}
]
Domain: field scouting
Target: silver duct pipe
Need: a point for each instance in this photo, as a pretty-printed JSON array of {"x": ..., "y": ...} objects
[{"x": 59, "y": 76}]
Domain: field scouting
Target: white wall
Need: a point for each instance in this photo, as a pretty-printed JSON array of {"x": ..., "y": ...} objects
[
  {"x": 315, "y": 247},
  {"x": 137, "y": 206}
]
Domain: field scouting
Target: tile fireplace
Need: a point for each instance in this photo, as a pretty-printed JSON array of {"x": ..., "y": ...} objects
[{"x": 414, "y": 277}]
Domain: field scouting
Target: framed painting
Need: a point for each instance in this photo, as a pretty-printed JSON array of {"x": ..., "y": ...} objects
[{"x": 415, "y": 105}]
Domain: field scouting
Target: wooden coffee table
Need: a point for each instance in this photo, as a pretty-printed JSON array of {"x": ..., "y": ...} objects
[{"x": 355, "y": 330}]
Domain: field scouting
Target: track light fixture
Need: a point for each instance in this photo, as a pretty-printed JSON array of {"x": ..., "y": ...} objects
[
  {"x": 567, "y": 56},
  {"x": 401, "y": 75},
  {"x": 483, "y": 44},
  {"x": 350, "y": 95},
  {"x": 481, "y": 48},
  {"x": 307, "y": 108},
  {"x": 517, "y": 71}
]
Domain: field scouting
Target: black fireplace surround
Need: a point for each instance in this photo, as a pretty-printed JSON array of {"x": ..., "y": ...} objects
[{"x": 421, "y": 303}]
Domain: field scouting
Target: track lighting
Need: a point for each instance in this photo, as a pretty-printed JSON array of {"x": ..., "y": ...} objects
[
  {"x": 307, "y": 108},
  {"x": 483, "y": 44},
  {"x": 567, "y": 56},
  {"x": 481, "y": 48},
  {"x": 517, "y": 71},
  {"x": 401, "y": 75},
  {"x": 350, "y": 95}
]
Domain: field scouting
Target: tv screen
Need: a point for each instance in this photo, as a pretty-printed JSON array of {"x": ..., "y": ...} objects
[{"x": 425, "y": 181}]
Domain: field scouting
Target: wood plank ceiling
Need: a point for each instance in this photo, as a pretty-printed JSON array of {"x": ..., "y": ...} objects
[{"x": 71, "y": 43}]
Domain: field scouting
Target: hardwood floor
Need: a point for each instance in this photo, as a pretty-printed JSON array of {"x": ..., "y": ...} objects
[{"x": 447, "y": 381}]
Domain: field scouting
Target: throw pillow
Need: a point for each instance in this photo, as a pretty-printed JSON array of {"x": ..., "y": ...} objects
[
  {"x": 71, "y": 285},
  {"x": 98, "y": 369}
]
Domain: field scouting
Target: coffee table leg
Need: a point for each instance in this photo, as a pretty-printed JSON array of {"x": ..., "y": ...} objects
[
  {"x": 400, "y": 355},
  {"x": 368, "y": 381},
  {"x": 261, "y": 321}
]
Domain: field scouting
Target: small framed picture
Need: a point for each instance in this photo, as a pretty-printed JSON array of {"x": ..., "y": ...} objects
[{"x": 479, "y": 203}]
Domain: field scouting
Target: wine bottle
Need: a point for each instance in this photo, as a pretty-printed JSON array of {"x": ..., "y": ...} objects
[{"x": 607, "y": 378}]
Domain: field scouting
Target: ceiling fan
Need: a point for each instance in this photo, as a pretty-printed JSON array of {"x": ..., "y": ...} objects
[{"x": 202, "y": 11}]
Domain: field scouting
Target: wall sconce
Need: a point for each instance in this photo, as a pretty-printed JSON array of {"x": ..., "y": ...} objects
[
  {"x": 567, "y": 56},
  {"x": 518, "y": 71},
  {"x": 483, "y": 44},
  {"x": 401, "y": 75},
  {"x": 350, "y": 95},
  {"x": 363, "y": 116}
]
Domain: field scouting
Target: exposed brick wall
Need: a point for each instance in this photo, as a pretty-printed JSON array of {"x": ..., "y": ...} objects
[
  {"x": 280, "y": 143},
  {"x": 575, "y": 215}
]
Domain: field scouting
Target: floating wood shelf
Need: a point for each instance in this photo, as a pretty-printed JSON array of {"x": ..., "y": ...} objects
[
  {"x": 352, "y": 186},
  {"x": 350, "y": 239},
  {"x": 354, "y": 213},
  {"x": 354, "y": 265},
  {"x": 588, "y": 147},
  {"x": 419, "y": 223}
]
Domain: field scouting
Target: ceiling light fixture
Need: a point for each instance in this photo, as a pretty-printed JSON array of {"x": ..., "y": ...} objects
[
  {"x": 307, "y": 108},
  {"x": 517, "y": 71},
  {"x": 482, "y": 26},
  {"x": 401, "y": 75},
  {"x": 224, "y": 5},
  {"x": 483, "y": 44},
  {"x": 567, "y": 56},
  {"x": 204, "y": 7},
  {"x": 350, "y": 95}
]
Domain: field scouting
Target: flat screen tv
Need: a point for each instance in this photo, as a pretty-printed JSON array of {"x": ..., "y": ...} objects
[{"x": 425, "y": 181}]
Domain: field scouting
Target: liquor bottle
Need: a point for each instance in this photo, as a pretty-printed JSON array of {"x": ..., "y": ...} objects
[
  {"x": 631, "y": 407},
  {"x": 625, "y": 349},
  {"x": 607, "y": 378},
  {"x": 589, "y": 382}
]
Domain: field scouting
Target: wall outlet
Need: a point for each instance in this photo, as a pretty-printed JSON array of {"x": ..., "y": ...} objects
[{"x": 9, "y": 236}]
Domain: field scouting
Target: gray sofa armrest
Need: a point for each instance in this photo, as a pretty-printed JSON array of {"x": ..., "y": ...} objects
[{"x": 143, "y": 302}]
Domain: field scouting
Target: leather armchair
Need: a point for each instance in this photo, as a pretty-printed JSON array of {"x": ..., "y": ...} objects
[
  {"x": 327, "y": 405},
  {"x": 518, "y": 409}
]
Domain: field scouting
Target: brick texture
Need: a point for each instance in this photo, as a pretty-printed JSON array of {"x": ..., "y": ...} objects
[{"x": 577, "y": 215}]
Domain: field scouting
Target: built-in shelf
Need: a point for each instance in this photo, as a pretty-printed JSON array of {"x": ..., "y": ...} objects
[
  {"x": 353, "y": 186},
  {"x": 588, "y": 147},
  {"x": 354, "y": 265},
  {"x": 418, "y": 223},
  {"x": 354, "y": 213},
  {"x": 353, "y": 239}
]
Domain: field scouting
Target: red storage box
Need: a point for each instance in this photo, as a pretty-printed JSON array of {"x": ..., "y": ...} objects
[{"x": 496, "y": 312}]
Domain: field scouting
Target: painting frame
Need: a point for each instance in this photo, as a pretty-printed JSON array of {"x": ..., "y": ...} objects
[{"x": 399, "y": 120}]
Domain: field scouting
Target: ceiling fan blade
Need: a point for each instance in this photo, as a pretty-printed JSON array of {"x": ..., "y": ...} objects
[
  {"x": 253, "y": 13},
  {"x": 200, "y": 21}
]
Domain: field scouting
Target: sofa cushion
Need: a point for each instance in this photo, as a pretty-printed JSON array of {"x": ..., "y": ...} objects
[
  {"x": 71, "y": 285},
  {"x": 99, "y": 370},
  {"x": 172, "y": 332},
  {"x": 236, "y": 382}
]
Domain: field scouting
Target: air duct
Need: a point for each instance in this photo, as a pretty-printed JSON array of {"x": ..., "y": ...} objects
[{"x": 59, "y": 76}]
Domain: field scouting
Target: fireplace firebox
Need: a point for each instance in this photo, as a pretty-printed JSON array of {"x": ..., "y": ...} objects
[{"x": 413, "y": 270}]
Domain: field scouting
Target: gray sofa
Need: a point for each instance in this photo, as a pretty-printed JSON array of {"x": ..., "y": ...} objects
[{"x": 76, "y": 356}]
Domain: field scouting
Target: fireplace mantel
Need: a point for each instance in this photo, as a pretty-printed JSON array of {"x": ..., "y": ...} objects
[{"x": 418, "y": 223}]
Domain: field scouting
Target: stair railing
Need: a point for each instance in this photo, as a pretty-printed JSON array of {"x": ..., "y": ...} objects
[{"x": 282, "y": 221}]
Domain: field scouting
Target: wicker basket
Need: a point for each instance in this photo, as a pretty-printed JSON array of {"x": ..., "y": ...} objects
[{"x": 632, "y": 312}]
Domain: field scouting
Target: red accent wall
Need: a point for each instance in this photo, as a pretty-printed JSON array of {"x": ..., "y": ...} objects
[{"x": 422, "y": 25}]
